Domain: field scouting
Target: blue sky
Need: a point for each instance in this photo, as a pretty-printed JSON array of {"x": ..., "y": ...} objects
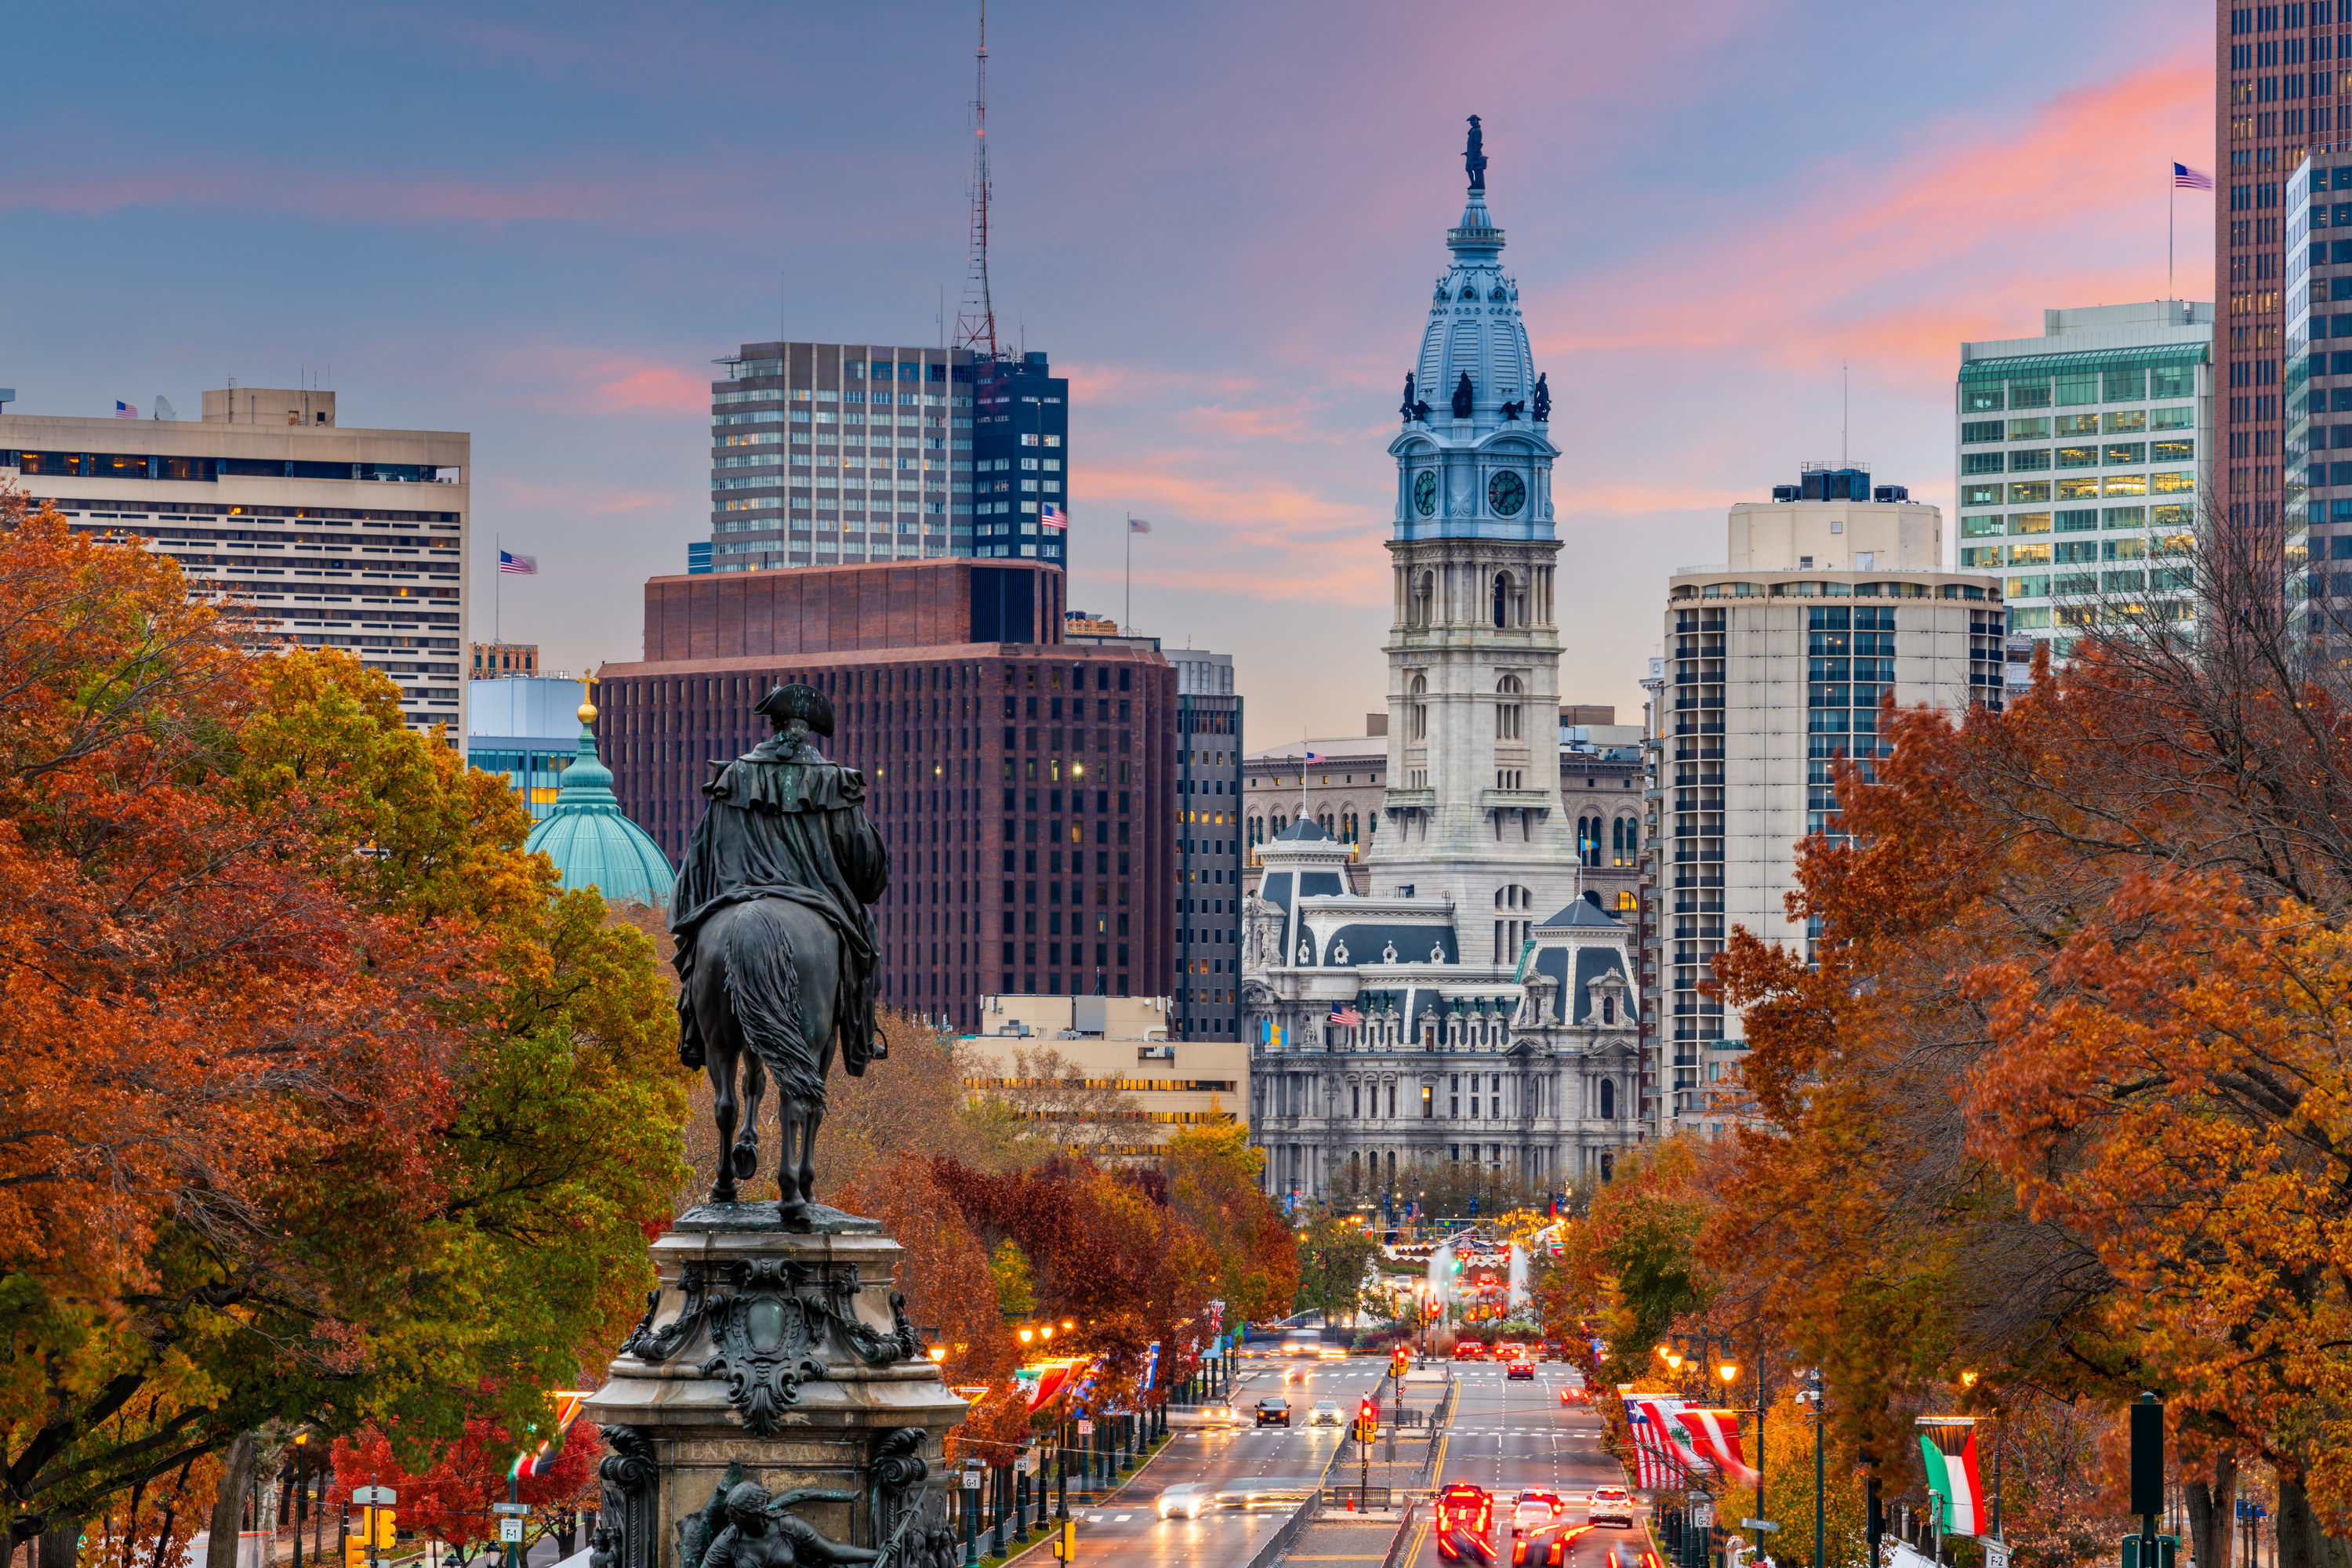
[{"x": 539, "y": 223}]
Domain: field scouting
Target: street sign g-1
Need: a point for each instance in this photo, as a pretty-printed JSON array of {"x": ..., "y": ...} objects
[{"x": 971, "y": 1480}]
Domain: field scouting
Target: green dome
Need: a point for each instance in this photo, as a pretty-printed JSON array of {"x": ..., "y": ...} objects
[{"x": 592, "y": 844}]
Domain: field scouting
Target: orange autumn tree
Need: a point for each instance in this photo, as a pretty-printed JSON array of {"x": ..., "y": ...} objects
[
  {"x": 308, "y": 1063},
  {"x": 2061, "y": 1101}
]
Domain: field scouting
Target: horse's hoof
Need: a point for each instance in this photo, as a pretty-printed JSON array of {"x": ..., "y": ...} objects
[
  {"x": 724, "y": 1193},
  {"x": 745, "y": 1159}
]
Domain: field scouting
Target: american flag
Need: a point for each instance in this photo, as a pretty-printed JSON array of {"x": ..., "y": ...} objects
[
  {"x": 1139, "y": 525},
  {"x": 1347, "y": 1017},
  {"x": 1052, "y": 516},
  {"x": 125, "y": 410},
  {"x": 528, "y": 565},
  {"x": 2185, "y": 178}
]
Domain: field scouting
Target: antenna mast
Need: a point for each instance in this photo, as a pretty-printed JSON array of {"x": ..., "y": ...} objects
[{"x": 975, "y": 326}]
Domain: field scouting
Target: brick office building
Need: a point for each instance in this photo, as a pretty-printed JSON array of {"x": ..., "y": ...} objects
[{"x": 1024, "y": 786}]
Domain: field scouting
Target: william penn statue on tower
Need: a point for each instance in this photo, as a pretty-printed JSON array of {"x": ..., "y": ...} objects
[{"x": 1474, "y": 159}]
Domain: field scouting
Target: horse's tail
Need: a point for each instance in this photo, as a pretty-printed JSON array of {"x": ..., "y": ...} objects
[{"x": 763, "y": 990}]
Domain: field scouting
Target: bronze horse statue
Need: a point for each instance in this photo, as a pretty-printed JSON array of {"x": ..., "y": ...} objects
[{"x": 777, "y": 950}]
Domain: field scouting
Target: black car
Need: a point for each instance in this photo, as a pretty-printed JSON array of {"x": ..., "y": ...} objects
[{"x": 1272, "y": 1413}]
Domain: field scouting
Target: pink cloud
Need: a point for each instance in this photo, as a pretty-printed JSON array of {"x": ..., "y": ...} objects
[
  {"x": 590, "y": 500},
  {"x": 1967, "y": 237},
  {"x": 319, "y": 194},
  {"x": 583, "y": 380}
]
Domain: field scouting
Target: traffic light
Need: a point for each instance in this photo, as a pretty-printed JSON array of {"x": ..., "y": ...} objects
[
  {"x": 383, "y": 1518},
  {"x": 1368, "y": 1423},
  {"x": 1066, "y": 1542},
  {"x": 1397, "y": 1361}
]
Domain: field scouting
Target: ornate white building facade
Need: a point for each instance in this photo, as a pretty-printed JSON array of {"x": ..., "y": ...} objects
[{"x": 1473, "y": 1005}]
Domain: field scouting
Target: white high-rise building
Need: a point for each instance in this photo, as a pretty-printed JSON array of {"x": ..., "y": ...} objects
[
  {"x": 1775, "y": 663},
  {"x": 329, "y": 535},
  {"x": 1473, "y": 1007}
]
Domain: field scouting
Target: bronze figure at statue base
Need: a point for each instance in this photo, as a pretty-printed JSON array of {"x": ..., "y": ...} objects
[{"x": 774, "y": 1407}]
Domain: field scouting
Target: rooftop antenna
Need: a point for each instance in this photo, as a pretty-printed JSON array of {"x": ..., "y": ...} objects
[{"x": 975, "y": 327}]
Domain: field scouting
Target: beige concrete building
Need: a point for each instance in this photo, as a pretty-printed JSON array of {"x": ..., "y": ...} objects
[
  {"x": 1774, "y": 664},
  {"x": 333, "y": 536},
  {"x": 1600, "y": 770},
  {"x": 1334, "y": 783},
  {"x": 1107, "y": 1046}
]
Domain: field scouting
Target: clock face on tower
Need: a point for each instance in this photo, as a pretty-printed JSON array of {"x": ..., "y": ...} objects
[
  {"x": 1506, "y": 493},
  {"x": 1424, "y": 492}
]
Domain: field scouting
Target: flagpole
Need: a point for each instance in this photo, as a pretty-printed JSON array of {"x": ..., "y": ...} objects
[
  {"x": 497, "y": 588},
  {"x": 1130, "y": 572},
  {"x": 2171, "y": 184}
]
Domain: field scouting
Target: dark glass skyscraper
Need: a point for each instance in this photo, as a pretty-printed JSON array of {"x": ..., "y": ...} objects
[{"x": 1021, "y": 439}]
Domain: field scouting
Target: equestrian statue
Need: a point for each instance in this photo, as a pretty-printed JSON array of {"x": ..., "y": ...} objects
[{"x": 777, "y": 949}]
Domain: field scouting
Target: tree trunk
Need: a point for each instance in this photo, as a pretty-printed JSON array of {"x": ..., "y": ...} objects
[
  {"x": 228, "y": 1503},
  {"x": 2212, "y": 1514},
  {"x": 59, "y": 1545},
  {"x": 2301, "y": 1543}
]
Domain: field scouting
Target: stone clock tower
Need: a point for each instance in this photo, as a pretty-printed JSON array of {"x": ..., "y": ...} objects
[{"x": 1473, "y": 812}]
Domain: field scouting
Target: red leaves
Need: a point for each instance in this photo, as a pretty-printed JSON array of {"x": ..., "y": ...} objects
[{"x": 450, "y": 1500}]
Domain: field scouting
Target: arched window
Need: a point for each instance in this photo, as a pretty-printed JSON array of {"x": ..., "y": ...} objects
[
  {"x": 1608, "y": 1114},
  {"x": 1323, "y": 821},
  {"x": 1507, "y": 692},
  {"x": 1608, "y": 1166},
  {"x": 1588, "y": 840},
  {"x": 1258, "y": 830},
  {"x": 1502, "y": 598},
  {"x": 1418, "y": 714}
]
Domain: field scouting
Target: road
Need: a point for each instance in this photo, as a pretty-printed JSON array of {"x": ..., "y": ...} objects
[
  {"x": 1130, "y": 1531},
  {"x": 1504, "y": 1435},
  {"x": 1512, "y": 1436}
]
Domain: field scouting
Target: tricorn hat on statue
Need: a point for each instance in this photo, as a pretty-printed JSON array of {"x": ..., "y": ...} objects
[{"x": 805, "y": 703}]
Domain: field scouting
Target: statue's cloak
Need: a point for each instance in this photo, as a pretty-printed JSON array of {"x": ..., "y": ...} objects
[{"x": 784, "y": 823}]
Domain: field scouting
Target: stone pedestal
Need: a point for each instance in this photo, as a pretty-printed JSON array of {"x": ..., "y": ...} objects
[{"x": 786, "y": 1354}]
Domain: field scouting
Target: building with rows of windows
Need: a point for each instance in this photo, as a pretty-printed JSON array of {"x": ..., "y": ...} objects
[
  {"x": 2084, "y": 465},
  {"x": 1025, "y": 787},
  {"x": 1468, "y": 1000},
  {"x": 326, "y": 534},
  {"x": 1775, "y": 665},
  {"x": 2275, "y": 102},
  {"x": 837, "y": 454}
]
